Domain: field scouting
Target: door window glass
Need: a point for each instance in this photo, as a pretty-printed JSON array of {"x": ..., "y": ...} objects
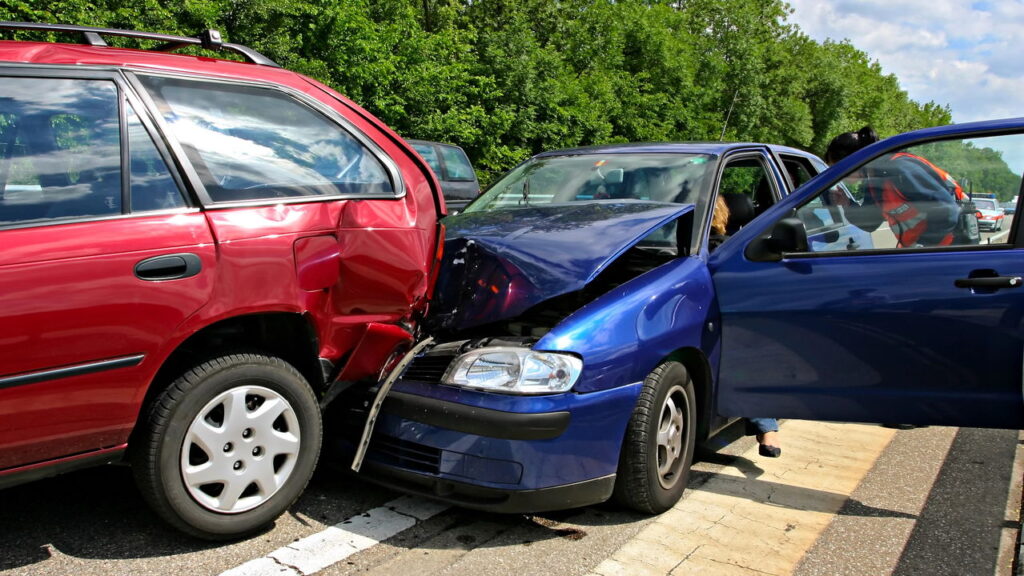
[
  {"x": 152, "y": 186},
  {"x": 249, "y": 142},
  {"x": 457, "y": 164},
  {"x": 746, "y": 190},
  {"x": 60, "y": 152},
  {"x": 937, "y": 194},
  {"x": 430, "y": 155},
  {"x": 800, "y": 169}
]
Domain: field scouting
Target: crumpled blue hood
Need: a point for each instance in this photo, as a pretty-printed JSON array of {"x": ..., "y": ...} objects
[{"x": 500, "y": 263}]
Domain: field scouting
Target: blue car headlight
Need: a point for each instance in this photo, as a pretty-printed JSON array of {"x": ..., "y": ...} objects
[{"x": 511, "y": 370}]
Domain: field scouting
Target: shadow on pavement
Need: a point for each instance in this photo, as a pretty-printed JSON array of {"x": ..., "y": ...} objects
[
  {"x": 795, "y": 497},
  {"x": 959, "y": 528},
  {"x": 95, "y": 513},
  {"x": 98, "y": 514}
]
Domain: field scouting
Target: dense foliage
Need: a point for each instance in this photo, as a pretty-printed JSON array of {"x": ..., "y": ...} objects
[
  {"x": 508, "y": 78},
  {"x": 979, "y": 169}
]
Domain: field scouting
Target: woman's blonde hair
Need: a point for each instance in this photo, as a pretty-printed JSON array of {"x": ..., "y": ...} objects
[{"x": 720, "y": 217}]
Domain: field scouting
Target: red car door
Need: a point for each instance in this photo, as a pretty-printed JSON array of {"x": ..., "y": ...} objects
[{"x": 99, "y": 264}]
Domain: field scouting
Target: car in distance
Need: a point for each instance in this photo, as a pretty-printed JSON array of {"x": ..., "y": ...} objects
[
  {"x": 587, "y": 336},
  {"x": 195, "y": 252},
  {"x": 453, "y": 170},
  {"x": 575, "y": 328},
  {"x": 1010, "y": 207},
  {"x": 990, "y": 214}
]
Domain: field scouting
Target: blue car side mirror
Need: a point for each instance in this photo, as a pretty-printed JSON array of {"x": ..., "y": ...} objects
[{"x": 788, "y": 235}]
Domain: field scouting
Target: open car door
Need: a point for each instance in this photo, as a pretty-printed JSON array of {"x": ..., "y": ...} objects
[{"x": 922, "y": 324}]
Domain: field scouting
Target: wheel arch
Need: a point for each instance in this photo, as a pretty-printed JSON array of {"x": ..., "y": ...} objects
[
  {"x": 699, "y": 369},
  {"x": 288, "y": 336}
]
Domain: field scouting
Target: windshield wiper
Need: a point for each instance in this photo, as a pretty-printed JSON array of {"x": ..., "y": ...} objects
[{"x": 525, "y": 200}]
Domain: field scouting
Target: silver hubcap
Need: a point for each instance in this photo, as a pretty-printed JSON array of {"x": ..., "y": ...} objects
[
  {"x": 240, "y": 449},
  {"x": 671, "y": 428}
]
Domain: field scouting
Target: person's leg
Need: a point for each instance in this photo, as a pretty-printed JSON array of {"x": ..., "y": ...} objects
[{"x": 766, "y": 430}]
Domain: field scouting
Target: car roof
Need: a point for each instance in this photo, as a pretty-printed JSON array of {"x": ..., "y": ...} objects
[
  {"x": 56, "y": 53},
  {"x": 78, "y": 56},
  {"x": 695, "y": 147}
]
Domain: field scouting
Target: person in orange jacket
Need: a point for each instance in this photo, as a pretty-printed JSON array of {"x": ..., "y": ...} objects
[{"x": 918, "y": 199}]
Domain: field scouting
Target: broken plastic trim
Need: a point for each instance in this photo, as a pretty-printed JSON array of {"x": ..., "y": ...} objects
[{"x": 378, "y": 401}]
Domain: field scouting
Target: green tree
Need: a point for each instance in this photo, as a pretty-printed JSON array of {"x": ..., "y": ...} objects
[{"x": 508, "y": 78}]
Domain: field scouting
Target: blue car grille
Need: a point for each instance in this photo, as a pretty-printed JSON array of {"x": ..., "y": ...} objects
[
  {"x": 405, "y": 454},
  {"x": 428, "y": 368}
]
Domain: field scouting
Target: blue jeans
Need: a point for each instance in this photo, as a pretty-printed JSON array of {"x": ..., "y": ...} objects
[{"x": 761, "y": 425}]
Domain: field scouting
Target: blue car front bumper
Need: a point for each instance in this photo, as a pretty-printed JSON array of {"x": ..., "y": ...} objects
[{"x": 513, "y": 454}]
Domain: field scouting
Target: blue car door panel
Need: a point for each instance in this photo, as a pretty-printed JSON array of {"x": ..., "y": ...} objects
[
  {"x": 883, "y": 330},
  {"x": 875, "y": 339}
]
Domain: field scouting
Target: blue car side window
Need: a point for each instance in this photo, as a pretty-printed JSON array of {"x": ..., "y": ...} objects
[{"x": 932, "y": 195}]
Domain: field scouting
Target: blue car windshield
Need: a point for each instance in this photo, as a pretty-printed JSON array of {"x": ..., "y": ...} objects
[{"x": 660, "y": 177}]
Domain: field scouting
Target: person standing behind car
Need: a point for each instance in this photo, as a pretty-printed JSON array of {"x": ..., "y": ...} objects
[{"x": 919, "y": 200}]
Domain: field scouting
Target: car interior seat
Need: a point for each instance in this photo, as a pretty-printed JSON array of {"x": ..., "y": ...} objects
[
  {"x": 95, "y": 190},
  {"x": 741, "y": 211},
  {"x": 95, "y": 193},
  {"x": 28, "y": 143},
  {"x": 763, "y": 197}
]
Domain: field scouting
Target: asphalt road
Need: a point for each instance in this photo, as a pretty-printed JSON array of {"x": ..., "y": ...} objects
[{"x": 843, "y": 499}]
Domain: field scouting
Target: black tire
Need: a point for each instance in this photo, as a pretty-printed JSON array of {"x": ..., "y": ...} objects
[
  {"x": 639, "y": 483},
  {"x": 249, "y": 420}
]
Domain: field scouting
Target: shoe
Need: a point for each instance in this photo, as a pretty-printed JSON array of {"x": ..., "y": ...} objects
[{"x": 769, "y": 451}]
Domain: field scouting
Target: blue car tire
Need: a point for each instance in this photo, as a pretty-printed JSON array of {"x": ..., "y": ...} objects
[{"x": 654, "y": 464}]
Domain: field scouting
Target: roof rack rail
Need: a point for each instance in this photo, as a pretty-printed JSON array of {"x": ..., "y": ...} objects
[{"x": 209, "y": 40}]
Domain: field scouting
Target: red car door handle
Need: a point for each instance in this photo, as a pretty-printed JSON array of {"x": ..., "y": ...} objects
[
  {"x": 168, "y": 267},
  {"x": 991, "y": 282}
]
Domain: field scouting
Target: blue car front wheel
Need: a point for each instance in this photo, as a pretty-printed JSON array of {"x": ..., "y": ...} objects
[{"x": 654, "y": 465}]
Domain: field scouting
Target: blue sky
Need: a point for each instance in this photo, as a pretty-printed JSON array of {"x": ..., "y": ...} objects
[{"x": 957, "y": 52}]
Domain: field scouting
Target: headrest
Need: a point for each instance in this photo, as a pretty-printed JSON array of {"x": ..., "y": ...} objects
[{"x": 741, "y": 211}]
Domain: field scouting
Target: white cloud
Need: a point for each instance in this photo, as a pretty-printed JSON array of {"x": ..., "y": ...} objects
[{"x": 956, "y": 52}]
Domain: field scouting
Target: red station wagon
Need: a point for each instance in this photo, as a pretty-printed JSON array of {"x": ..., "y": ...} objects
[{"x": 196, "y": 252}]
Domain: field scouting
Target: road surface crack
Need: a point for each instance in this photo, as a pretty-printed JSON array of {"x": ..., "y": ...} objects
[
  {"x": 755, "y": 570},
  {"x": 291, "y": 567},
  {"x": 687, "y": 557}
]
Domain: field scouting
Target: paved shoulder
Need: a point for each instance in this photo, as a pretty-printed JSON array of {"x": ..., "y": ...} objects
[
  {"x": 846, "y": 499},
  {"x": 939, "y": 501},
  {"x": 758, "y": 518}
]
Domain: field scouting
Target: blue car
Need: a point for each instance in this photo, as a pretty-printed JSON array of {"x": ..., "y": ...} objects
[{"x": 585, "y": 336}]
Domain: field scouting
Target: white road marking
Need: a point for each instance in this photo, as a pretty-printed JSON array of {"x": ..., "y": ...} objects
[{"x": 327, "y": 547}]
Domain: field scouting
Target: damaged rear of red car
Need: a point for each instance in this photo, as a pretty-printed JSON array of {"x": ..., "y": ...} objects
[{"x": 196, "y": 251}]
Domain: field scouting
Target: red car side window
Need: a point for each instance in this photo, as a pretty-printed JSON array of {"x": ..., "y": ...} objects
[
  {"x": 250, "y": 143},
  {"x": 60, "y": 148}
]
